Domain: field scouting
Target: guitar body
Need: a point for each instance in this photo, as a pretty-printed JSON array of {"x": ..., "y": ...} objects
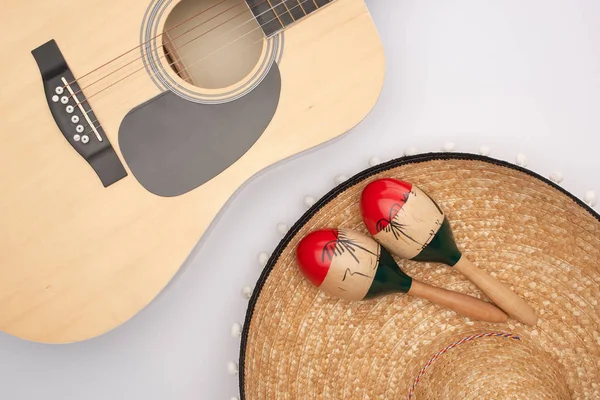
[{"x": 78, "y": 258}]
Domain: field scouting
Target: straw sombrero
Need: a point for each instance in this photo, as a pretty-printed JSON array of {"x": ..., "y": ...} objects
[{"x": 300, "y": 343}]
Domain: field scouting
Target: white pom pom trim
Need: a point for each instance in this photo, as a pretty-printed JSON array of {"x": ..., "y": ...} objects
[
  {"x": 411, "y": 151},
  {"x": 521, "y": 160},
  {"x": 309, "y": 201},
  {"x": 247, "y": 292},
  {"x": 485, "y": 150},
  {"x": 556, "y": 177},
  {"x": 232, "y": 368},
  {"x": 282, "y": 228},
  {"x": 236, "y": 330},
  {"x": 449, "y": 146},
  {"x": 373, "y": 161},
  {"x": 590, "y": 198},
  {"x": 263, "y": 258},
  {"x": 340, "y": 179}
]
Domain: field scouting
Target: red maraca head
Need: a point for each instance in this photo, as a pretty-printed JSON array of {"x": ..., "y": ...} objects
[
  {"x": 312, "y": 252},
  {"x": 408, "y": 222},
  {"x": 381, "y": 200},
  {"x": 344, "y": 263}
]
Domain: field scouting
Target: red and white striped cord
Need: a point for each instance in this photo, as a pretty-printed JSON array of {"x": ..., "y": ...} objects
[{"x": 451, "y": 346}]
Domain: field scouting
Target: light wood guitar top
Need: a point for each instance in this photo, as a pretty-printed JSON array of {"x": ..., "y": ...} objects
[{"x": 78, "y": 259}]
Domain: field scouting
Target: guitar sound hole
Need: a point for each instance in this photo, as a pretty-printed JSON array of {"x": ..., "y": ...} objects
[{"x": 212, "y": 44}]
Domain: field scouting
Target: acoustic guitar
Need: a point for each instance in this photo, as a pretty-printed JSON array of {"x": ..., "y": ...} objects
[{"x": 127, "y": 125}]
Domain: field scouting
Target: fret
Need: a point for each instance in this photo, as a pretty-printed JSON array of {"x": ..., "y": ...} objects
[
  {"x": 275, "y": 12},
  {"x": 287, "y": 9},
  {"x": 275, "y": 15},
  {"x": 309, "y": 5},
  {"x": 265, "y": 16},
  {"x": 295, "y": 9},
  {"x": 281, "y": 11}
]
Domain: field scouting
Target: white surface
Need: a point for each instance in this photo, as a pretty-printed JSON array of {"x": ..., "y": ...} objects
[{"x": 517, "y": 76}]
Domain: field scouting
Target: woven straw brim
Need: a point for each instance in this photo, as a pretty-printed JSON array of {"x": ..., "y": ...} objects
[{"x": 299, "y": 343}]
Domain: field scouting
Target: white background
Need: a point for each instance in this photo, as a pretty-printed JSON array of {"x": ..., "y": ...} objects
[{"x": 518, "y": 76}]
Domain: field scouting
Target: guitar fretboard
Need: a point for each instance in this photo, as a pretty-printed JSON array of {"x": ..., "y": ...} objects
[{"x": 275, "y": 15}]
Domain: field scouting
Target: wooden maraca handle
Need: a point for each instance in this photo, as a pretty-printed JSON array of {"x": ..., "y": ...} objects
[
  {"x": 500, "y": 294},
  {"x": 461, "y": 303}
]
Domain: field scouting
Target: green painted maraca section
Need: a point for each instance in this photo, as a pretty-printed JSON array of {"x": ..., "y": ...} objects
[
  {"x": 389, "y": 278},
  {"x": 442, "y": 248}
]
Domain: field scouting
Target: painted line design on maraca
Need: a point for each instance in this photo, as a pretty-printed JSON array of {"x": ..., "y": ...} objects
[
  {"x": 353, "y": 266},
  {"x": 398, "y": 228},
  {"x": 390, "y": 204},
  {"x": 395, "y": 211},
  {"x": 340, "y": 244},
  {"x": 346, "y": 264}
]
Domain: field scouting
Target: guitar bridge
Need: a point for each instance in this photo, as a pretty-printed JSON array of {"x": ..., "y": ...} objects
[{"x": 74, "y": 116}]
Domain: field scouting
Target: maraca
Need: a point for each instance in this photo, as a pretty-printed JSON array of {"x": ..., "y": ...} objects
[
  {"x": 405, "y": 220},
  {"x": 347, "y": 264}
]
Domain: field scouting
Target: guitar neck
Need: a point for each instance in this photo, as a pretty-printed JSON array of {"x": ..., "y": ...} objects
[{"x": 276, "y": 15}]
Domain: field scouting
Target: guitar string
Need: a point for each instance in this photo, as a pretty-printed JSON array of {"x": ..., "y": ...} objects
[
  {"x": 278, "y": 17},
  {"x": 245, "y": 48},
  {"x": 93, "y": 126},
  {"x": 146, "y": 42},
  {"x": 288, "y": 10},
  {"x": 181, "y": 58},
  {"x": 169, "y": 41}
]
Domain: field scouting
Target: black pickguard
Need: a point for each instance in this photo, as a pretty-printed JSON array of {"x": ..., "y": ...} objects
[{"x": 172, "y": 145}]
